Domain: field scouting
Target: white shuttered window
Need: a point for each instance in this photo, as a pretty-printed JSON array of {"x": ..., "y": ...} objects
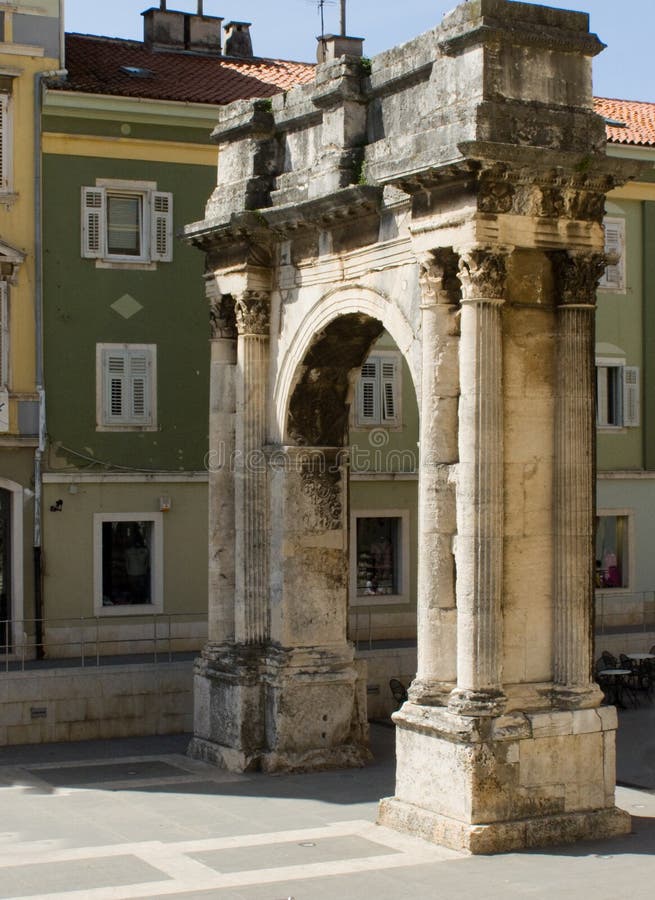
[
  {"x": 617, "y": 395},
  {"x": 126, "y": 385},
  {"x": 6, "y": 141},
  {"x": 378, "y": 391},
  {"x": 127, "y": 222},
  {"x": 613, "y": 278}
]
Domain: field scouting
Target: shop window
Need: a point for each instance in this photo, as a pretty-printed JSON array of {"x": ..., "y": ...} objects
[
  {"x": 612, "y": 551},
  {"x": 128, "y": 561},
  {"x": 379, "y": 551}
]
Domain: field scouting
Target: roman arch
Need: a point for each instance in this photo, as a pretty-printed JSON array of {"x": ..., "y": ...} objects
[{"x": 451, "y": 192}]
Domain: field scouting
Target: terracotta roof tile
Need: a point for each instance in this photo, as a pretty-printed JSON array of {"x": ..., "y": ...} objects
[
  {"x": 638, "y": 118},
  {"x": 97, "y": 65}
]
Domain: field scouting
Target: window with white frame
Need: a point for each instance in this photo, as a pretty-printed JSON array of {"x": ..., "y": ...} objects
[
  {"x": 126, "y": 377},
  {"x": 617, "y": 394},
  {"x": 378, "y": 390},
  {"x": 6, "y": 135},
  {"x": 128, "y": 562},
  {"x": 127, "y": 222},
  {"x": 379, "y": 550},
  {"x": 4, "y": 358},
  {"x": 612, "y": 550},
  {"x": 613, "y": 278}
]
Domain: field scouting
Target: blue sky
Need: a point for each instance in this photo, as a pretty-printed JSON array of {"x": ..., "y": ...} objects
[{"x": 287, "y": 29}]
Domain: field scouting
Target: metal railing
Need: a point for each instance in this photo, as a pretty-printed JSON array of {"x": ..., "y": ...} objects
[
  {"x": 99, "y": 640},
  {"x": 618, "y": 610}
]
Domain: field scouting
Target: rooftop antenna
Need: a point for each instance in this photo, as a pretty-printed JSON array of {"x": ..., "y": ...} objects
[{"x": 343, "y": 18}]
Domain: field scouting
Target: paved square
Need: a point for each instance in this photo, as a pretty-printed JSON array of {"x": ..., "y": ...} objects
[{"x": 118, "y": 820}]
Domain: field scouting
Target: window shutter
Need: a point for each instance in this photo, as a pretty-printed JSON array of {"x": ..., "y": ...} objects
[
  {"x": 139, "y": 389},
  {"x": 369, "y": 392},
  {"x": 114, "y": 395},
  {"x": 4, "y": 142},
  {"x": 161, "y": 238},
  {"x": 613, "y": 277},
  {"x": 93, "y": 222},
  {"x": 4, "y": 336},
  {"x": 389, "y": 391},
  {"x": 631, "y": 398}
]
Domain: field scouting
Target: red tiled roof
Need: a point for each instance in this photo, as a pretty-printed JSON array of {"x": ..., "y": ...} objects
[
  {"x": 95, "y": 64},
  {"x": 638, "y": 118}
]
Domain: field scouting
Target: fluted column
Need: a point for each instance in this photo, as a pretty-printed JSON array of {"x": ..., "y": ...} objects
[
  {"x": 575, "y": 480},
  {"x": 222, "y": 409},
  {"x": 479, "y": 551},
  {"x": 251, "y": 520},
  {"x": 436, "y": 613}
]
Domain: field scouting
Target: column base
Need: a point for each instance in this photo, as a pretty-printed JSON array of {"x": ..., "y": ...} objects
[
  {"x": 588, "y": 697},
  {"x": 502, "y": 837},
  {"x": 266, "y": 708},
  {"x": 494, "y": 784},
  {"x": 477, "y": 703}
]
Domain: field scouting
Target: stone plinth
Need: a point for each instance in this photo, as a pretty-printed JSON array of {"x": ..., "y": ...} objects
[
  {"x": 279, "y": 710},
  {"x": 495, "y": 785}
]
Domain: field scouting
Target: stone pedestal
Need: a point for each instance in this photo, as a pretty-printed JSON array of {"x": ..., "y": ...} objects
[
  {"x": 279, "y": 710},
  {"x": 490, "y": 785}
]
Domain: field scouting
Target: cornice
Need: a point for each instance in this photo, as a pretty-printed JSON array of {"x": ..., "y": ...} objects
[{"x": 79, "y": 105}]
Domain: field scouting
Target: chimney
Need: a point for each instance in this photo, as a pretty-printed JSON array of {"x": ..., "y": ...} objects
[
  {"x": 334, "y": 46},
  {"x": 165, "y": 29},
  {"x": 237, "y": 39}
]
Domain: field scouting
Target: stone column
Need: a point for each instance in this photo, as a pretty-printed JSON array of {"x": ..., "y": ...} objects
[
  {"x": 251, "y": 519},
  {"x": 575, "y": 480},
  {"x": 220, "y": 460},
  {"x": 479, "y": 552},
  {"x": 437, "y": 612}
]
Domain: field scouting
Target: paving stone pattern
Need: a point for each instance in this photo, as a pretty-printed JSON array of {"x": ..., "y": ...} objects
[{"x": 123, "y": 819}]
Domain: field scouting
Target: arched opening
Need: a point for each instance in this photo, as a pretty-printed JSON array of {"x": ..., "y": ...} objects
[{"x": 353, "y": 407}]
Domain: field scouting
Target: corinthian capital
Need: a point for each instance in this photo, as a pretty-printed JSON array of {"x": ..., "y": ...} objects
[
  {"x": 222, "y": 321},
  {"x": 577, "y": 277},
  {"x": 253, "y": 312},
  {"x": 438, "y": 277},
  {"x": 483, "y": 274}
]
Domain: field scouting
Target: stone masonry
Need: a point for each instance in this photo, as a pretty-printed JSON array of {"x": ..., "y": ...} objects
[{"x": 450, "y": 191}]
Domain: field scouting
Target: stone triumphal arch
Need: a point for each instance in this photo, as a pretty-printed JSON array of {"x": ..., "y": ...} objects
[{"x": 451, "y": 191}]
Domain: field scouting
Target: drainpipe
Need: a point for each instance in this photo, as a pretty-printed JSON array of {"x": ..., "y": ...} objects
[{"x": 38, "y": 329}]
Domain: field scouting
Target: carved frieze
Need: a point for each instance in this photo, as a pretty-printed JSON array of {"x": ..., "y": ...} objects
[{"x": 323, "y": 490}]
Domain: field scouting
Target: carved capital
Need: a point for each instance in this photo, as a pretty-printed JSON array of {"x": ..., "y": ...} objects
[
  {"x": 483, "y": 274},
  {"x": 577, "y": 277},
  {"x": 438, "y": 277},
  {"x": 222, "y": 319},
  {"x": 253, "y": 312}
]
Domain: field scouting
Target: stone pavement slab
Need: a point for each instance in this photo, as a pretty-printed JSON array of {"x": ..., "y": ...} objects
[{"x": 115, "y": 820}]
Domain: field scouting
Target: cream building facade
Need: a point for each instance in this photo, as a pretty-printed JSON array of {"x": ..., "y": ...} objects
[{"x": 30, "y": 47}]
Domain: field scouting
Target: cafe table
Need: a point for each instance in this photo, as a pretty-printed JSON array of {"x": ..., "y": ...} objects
[
  {"x": 642, "y": 672},
  {"x": 616, "y": 682}
]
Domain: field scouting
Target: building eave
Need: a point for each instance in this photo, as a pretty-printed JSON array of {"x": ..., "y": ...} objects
[{"x": 177, "y": 113}]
